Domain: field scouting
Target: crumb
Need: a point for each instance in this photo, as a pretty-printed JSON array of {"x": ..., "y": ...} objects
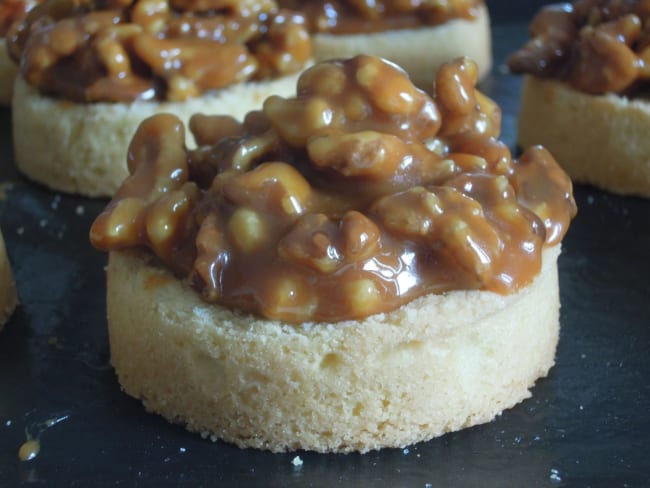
[
  {"x": 8, "y": 423},
  {"x": 43, "y": 223},
  {"x": 297, "y": 461},
  {"x": 20, "y": 231},
  {"x": 182, "y": 450},
  {"x": 406, "y": 451},
  {"x": 555, "y": 475},
  {"x": 80, "y": 210}
]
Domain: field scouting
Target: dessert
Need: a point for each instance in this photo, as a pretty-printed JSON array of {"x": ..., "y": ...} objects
[
  {"x": 418, "y": 36},
  {"x": 8, "y": 296},
  {"x": 587, "y": 75},
  {"x": 10, "y": 12},
  {"x": 92, "y": 70},
  {"x": 356, "y": 267}
]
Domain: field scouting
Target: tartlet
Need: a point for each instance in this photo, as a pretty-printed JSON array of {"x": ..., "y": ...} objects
[
  {"x": 356, "y": 267},
  {"x": 585, "y": 91}
]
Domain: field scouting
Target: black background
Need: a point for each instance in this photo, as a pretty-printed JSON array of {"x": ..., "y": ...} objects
[{"x": 588, "y": 423}]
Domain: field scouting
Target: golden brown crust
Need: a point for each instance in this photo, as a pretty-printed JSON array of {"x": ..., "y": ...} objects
[
  {"x": 438, "y": 364},
  {"x": 598, "y": 139},
  {"x": 81, "y": 148},
  {"x": 8, "y": 296},
  {"x": 419, "y": 51},
  {"x": 7, "y": 74}
]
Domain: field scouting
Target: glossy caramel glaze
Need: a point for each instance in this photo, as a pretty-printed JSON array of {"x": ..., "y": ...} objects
[
  {"x": 596, "y": 46},
  {"x": 352, "y": 16},
  {"x": 12, "y": 11},
  {"x": 124, "y": 50},
  {"x": 353, "y": 198}
]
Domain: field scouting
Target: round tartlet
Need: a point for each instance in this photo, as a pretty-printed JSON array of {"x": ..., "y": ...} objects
[
  {"x": 584, "y": 94},
  {"x": 356, "y": 267},
  {"x": 599, "y": 139}
]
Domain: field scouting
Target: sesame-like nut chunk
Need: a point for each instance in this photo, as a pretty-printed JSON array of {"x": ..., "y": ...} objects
[
  {"x": 290, "y": 299},
  {"x": 210, "y": 129},
  {"x": 211, "y": 258},
  {"x": 166, "y": 220},
  {"x": 361, "y": 237},
  {"x": 463, "y": 108},
  {"x": 611, "y": 42},
  {"x": 369, "y": 153},
  {"x": 118, "y": 225},
  {"x": 156, "y": 158},
  {"x": 324, "y": 79},
  {"x": 286, "y": 47},
  {"x": 270, "y": 186},
  {"x": 363, "y": 295},
  {"x": 247, "y": 230},
  {"x": 312, "y": 242},
  {"x": 297, "y": 120}
]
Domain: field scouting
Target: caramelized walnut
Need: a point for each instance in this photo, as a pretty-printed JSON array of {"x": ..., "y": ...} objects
[
  {"x": 353, "y": 16},
  {"x": 119, "y": 50},
  {"x": 597, "y": 46},
  {"x": 13, "y": 11},
  {"x": 351, "y": 198}
]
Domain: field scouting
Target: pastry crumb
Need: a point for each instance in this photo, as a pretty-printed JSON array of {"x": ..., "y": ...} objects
[
  {"x": 297, "y": 461},
  {"x": 555, "y": 475}
]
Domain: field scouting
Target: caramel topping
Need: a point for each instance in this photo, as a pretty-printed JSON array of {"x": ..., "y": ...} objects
[
  {"x": 597, "y": 46},
  {"x": 12, "y": 11},
  {"x": 352, "y": 198},
  {"x": 123, "y": 50},
  {"x": 354, "y": 16}
]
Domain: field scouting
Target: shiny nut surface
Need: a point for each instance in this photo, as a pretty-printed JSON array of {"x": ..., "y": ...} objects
[
  {"x": 597, "y": 46},
  {"x": 13, "y": 11},
  {"x": 120, "y": 51},
  {"x": 305, "y": 213},
  {"x": 352, "y": 16}
]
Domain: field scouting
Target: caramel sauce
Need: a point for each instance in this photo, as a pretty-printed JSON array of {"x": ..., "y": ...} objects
[
  {"x": 121, "y": 51},
  {"x": 352, "y": 198},
  {"x": 31, "y": 448},
  {"x": 12, "y": 11},
  {"x": 596, "y": 46},
  {"x": 350, "y": 17}
]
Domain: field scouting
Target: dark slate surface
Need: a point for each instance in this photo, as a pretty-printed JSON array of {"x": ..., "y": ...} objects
[{"x": 587, "y": 425}]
